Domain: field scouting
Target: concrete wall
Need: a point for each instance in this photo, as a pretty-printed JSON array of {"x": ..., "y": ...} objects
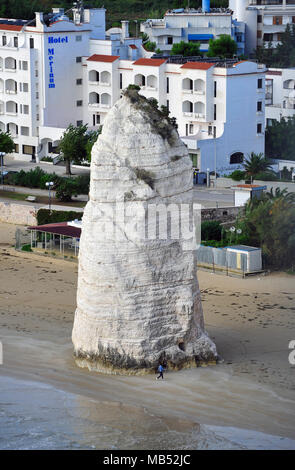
[
  {"x": 17, "y": 214},
  {"x": 222, "y": 214}
]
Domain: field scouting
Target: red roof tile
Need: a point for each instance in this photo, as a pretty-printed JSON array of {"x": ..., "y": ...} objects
[
  {"x": 149, "y": 62},
  {"x": 11, "y": 27},
  {"x": 103, "y": 58},
  {"x": 273, "y": 72},
  {"x": 133, "y": 46},
  {"x": 197, "y": 65},
  {"x": 248, "y": 186}
]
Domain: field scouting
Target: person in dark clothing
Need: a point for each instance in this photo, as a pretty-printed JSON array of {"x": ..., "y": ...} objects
[{"x": 160, "y": 370}]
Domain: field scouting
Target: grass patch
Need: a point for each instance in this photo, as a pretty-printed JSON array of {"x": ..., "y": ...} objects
[{"x": 13, "y": 195}]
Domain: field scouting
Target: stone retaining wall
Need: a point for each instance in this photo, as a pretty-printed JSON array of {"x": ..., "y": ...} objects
[
  {"x": 18, "y": 214},
  {"x": 222, "y": 214}
]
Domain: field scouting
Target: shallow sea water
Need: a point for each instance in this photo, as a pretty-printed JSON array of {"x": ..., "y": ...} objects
[{"x": 34, "y": 415}]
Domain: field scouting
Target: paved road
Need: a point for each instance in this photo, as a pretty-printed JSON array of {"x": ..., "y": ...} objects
[
  {"x": 210, "y": 198},
  {"x": 11, "y": 164}
]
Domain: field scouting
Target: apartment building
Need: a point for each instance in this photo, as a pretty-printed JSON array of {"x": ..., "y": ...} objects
[
  {"x": 41, "y": 79},
  {"x": 265, "y": 20},
  {"x": 279, "y": 94},
  {"x": 192, "y": 25},
  {"x": 219, "y": 107}
]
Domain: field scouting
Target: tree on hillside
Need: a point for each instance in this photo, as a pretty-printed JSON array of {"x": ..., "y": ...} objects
[
  {"x": 186, "y": 49},
  {"x": 73, "y": 145},
  {"x": 6, "y": 142},
  {"x": 280, "y": 139},
  {"x": 255, "y": 164},
  {"x": 224, "y": 46}
]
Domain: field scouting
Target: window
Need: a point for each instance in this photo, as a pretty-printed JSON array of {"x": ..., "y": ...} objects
[
  {"x": 236, "y": 157},
  {"x": 268, "y": 37},
  {"x": 79, "y": 38},
  {"x": 28, "y": 149},
  {"x": 259, "y": 83},
  {"x": 52, "y": 148},
  {"x": 24, "y": 65},
  {"x": 239, "y": 38},
  {"x": 79, "y": 81},
  {"x": 95, "y": 119},
  {"x": 37, "y": 117},
  {"x": 259, "y": 34},
  {"x": 79, "y": 103},
  {"x": 277, "y": 20},
  {"x": 259, "y": 128},
  {"x": 37, "y": 95},
  {"x": 121, "y": 81},
  {"x": 24, "y": 130},
  {"x": 209, "y": 130},
  {"x": 25, "y": 109},
  {"x": 259, "y": 106},
  {"x": 4, "y": 40},
  {"x": 31, "y": 43},
  {"x": 191, "y": 128},
  {"x": 167, "y": 104},
  {"x": 293, "y": 19},
  {"x": 16, "y": 148},
  {"x": 79, "y": 123},
  {"x": 15, "y": 42},
  {"x": 214, "y": 112},
  {"x": 78, "y": 60},
  {"x": 259, "y": 19},
  {"x": 167, "y": 85},
  {"x": 36, "y": 73},
  {"x": 169, "y": 40},
  {"x": 215, "y": 89}
]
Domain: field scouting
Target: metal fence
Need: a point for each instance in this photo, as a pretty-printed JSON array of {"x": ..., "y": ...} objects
[
  {"x": 22, "y": 237},
  {"x": 220, "y": 257}
]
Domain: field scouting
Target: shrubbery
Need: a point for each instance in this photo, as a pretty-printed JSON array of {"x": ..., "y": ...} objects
[
  {"x": 45, "y": 216},
  {"x": 237, "y": 175},
  {"x": 211, "y": 230},
  {"x": 37, "y": 178}
]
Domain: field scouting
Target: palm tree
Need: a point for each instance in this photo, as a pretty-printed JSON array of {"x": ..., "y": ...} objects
[{"x": 255, "y": 164}]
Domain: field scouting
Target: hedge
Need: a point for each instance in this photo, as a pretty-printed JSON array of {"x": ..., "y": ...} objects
[{"x": 45, "y": 216}]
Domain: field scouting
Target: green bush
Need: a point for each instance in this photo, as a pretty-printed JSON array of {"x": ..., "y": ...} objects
[
  {"x": 47, "y": 159},
  {"x": 26, "y": 248},
  {"x": 45, "y": 216},
  {"x": 83, "y": 182},
  {"x": 66, "y": 188},
  {"x": 211, "y": 230},
  {"x": 237, "y": 175},
  {"x": 266, "y": 176}
]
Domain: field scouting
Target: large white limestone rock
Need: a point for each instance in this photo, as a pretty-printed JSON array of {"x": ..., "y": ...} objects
[{"x": 138, "y": 300}]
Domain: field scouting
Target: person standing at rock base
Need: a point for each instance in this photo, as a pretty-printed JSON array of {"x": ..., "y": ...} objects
[{"x": 160, "y": 370}]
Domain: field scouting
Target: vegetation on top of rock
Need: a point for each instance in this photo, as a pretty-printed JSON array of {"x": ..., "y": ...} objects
[{"x": 146, "y": 176}]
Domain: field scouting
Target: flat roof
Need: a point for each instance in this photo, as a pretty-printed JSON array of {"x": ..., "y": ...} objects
[
  {"x": 248, "y": 187},
  {"x": 242, "y": 248}
]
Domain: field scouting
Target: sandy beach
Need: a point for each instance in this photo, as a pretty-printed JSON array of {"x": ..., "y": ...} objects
[{"x": 251, "y": 321}]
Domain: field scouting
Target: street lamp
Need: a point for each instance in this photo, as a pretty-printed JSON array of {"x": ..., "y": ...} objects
[
  {"x": 49, "y": 185},
  {"x": 2, "y": 163}
]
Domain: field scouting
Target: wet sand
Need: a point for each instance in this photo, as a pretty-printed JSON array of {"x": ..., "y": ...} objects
[{"x": 251, "y": 320}]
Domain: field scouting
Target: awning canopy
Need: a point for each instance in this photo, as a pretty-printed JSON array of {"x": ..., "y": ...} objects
[
  {"x": 61, "y": 228},
  {"x": 200, "y": 37}
]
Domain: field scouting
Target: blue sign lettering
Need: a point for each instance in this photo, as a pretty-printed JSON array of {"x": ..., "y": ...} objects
[{"x": 53, "y": 40}]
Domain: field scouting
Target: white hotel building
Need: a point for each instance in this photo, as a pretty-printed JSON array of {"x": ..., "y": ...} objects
[
  {"x": 219, "y": 108},
  {"x": 59, "y": 72}
]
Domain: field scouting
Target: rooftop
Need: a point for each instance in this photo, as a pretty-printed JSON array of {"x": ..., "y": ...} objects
[
  {"x": 150, "y": 62},
  {"x": 61, "y": 228},
  {"x": 103, "y": 58},
  {"x": 197, "y": 65}
]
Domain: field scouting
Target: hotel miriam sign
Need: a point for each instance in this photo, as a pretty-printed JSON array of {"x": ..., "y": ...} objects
[{"x": 51, "y": 53}]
